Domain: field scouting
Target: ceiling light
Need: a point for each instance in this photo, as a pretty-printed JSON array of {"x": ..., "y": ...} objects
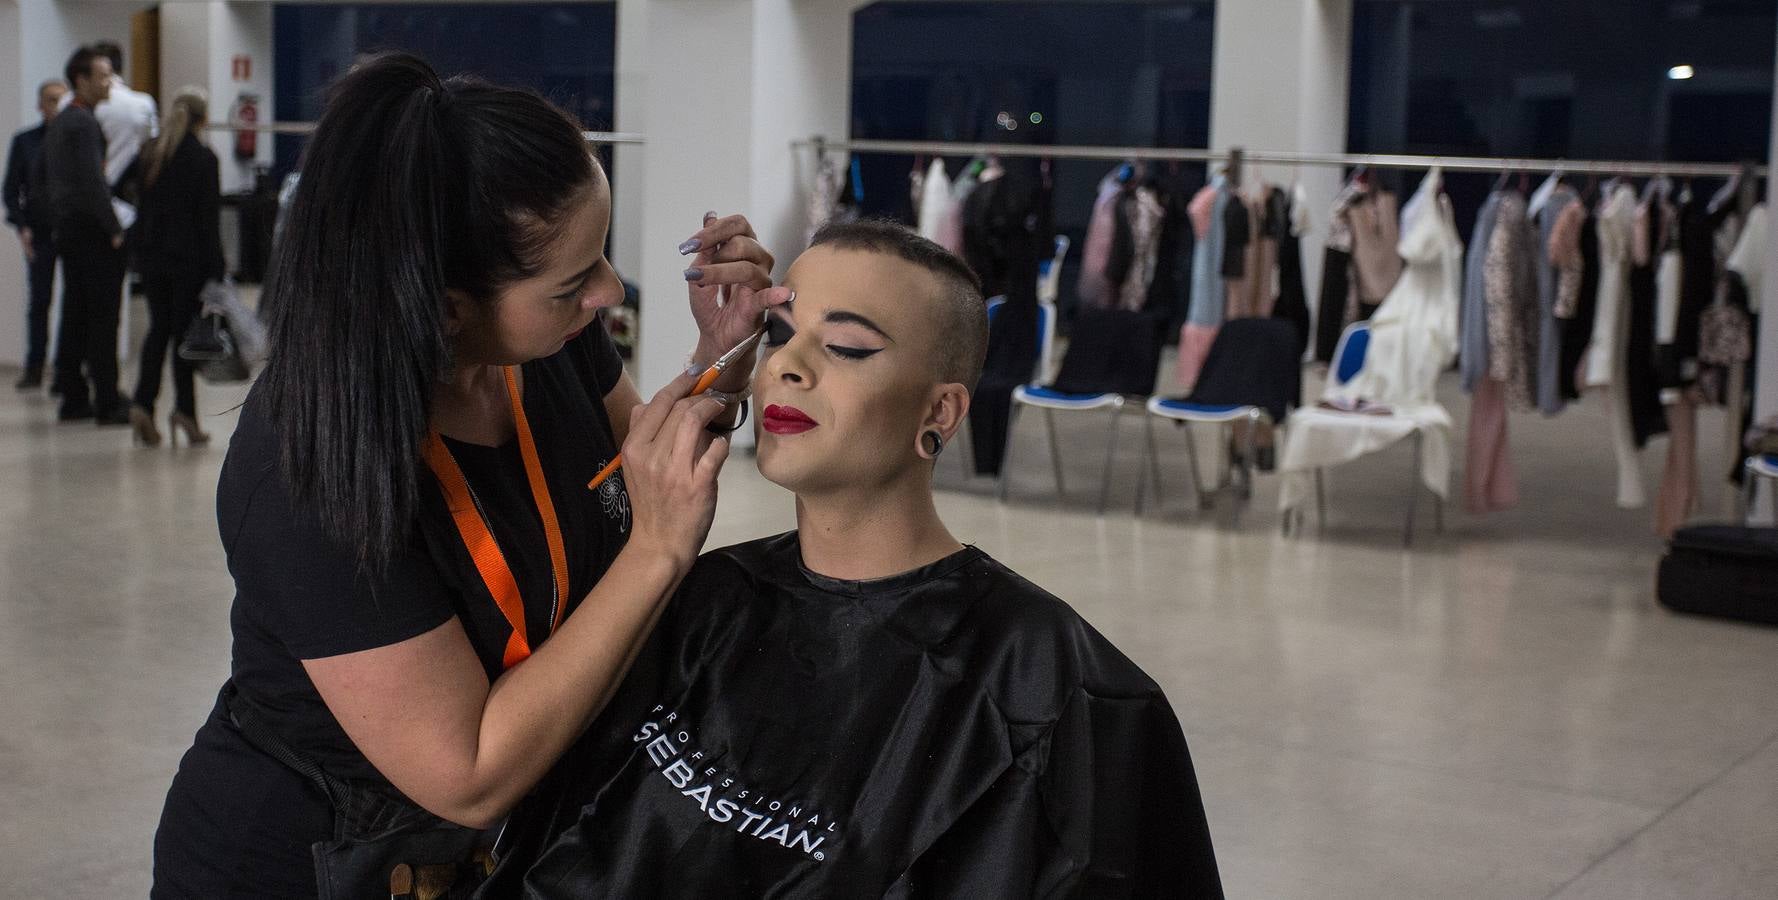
[{"x": 1680, "y": 73}]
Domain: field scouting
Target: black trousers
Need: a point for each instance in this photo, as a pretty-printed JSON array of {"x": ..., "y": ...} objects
[
  {"x": 173, "y": 301},
  {"x": 92, "y": 297},
  {"x": 42, "y": 276}
]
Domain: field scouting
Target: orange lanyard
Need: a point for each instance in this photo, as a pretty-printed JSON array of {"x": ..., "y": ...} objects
[{"x": 473, "y": 525}]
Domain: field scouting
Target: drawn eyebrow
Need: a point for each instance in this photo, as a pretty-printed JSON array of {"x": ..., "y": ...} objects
[{"x": 843, "y": 317}]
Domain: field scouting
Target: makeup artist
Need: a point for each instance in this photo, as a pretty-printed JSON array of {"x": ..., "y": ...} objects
[{"x": 430, "y": 604}]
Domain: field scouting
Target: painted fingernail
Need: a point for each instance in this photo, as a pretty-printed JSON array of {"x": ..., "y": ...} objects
[
  {"x": 694, "y": 274},
  {"x": 710, "y": 215},
  {"x": 690, "y": 246}
]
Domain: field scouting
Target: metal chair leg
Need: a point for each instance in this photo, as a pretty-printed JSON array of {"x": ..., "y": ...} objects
[
  {"x": 1747, "y": 495},
  {"x": 1049, "y": 423},
  {"x": 1191, "y": 455},
  {"x": 1413, "y": 493},
  {"x": 1152, "y": 467},
  {"x": 1110, "y": 458},
  {"x": 1320, "y": 501},
  {"x": 1012, "y": 429}
]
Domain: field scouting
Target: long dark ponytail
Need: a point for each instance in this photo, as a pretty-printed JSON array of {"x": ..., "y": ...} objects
[{"x": 411, "y": 186}]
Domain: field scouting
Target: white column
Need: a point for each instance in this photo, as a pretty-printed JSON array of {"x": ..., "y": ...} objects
[
  {"x": 1766, "y": 388},
  {"x": 1280, "y": 83},
  {"x": 731, "y": 83},
  {"x": 199, "y": 41},
  {"x": 631, "y": 88}
]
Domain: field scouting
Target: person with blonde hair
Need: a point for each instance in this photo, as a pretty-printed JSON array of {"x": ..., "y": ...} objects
[{"x": 178, "y": 249}]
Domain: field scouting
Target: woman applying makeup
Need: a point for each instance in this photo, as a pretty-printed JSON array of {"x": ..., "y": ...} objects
[
  {"x": 867, "y": 707},
  {"x": 430, "y": 605}
]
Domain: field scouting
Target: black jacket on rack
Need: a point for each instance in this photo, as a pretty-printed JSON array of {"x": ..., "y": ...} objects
[
  {"x": 1292, "y": 302},
  {"x": 1009, "y": 225},
  {"x": 1641, "y": 377}
]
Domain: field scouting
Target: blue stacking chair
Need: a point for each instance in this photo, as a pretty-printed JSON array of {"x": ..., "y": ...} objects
[
  {"x": 1252, "y": 374},
  {"x": 1052, "y": 400}
]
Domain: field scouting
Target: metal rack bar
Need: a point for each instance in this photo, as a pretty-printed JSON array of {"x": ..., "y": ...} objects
[
  {"x": 592, "y": 137},
  {"x": 1271, "y": 157}
]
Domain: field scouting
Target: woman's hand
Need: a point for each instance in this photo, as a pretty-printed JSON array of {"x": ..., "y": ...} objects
[
  {"x": 730, "y": 280},
  {"x": 670, "y": 466}
]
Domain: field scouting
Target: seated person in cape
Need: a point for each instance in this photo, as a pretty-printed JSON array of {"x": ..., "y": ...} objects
[{"x": 866, "y": 707}]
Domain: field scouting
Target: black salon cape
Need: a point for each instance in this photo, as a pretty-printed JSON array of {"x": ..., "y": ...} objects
[{"x": 951, "y": 732}]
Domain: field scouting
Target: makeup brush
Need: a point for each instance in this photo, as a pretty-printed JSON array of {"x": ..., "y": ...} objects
[{"x": 703, "y": 384}]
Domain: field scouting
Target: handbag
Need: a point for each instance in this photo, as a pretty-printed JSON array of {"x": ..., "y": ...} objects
[
  {"x": 381, "y": 846},
  {"x": 209, "y": 344}
]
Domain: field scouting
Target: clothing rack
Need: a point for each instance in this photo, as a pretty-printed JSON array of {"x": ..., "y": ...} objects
[
  {"x": 1237, "y": 156},
  {"x": 592, "y": 137}
]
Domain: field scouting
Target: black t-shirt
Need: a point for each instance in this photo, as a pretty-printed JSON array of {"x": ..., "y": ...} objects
[
  {"x": 954, "y": 731},
  {"x": 301, "y": 595}
]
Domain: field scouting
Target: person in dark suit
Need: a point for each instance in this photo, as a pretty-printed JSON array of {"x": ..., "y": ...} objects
[
  {"x": 89, "y": 239},
  {"x": 27, "y": 209},
  {"x": 178, "y": 248}
]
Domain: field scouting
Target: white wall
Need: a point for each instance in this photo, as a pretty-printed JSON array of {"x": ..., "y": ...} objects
[
  {"x": 199, "y": 39},
  {"x": 1281, "y": 83},
  {"x": 36, "y": 38},
  {"x": 1766, "y": 388},
  {"x": 742, "y": 79}
]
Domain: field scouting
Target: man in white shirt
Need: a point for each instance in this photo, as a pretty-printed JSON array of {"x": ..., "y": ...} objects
[{"x": 129, "y": 119}]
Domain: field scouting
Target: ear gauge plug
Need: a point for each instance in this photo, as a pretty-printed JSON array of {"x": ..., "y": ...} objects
[{"x": 933, "y": 443}]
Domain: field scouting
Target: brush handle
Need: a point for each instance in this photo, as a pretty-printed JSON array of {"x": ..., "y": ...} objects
[{"x": 703, "y": 384}]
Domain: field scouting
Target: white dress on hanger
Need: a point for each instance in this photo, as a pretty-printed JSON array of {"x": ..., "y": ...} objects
[
  {"x": 1414, "y": 331},
  {"x": 1616, "y": 229},
  {"x": 935, "y": 201},
  {"x": 1604, "y": 365},
  {"x": 1413, "y": 339}
]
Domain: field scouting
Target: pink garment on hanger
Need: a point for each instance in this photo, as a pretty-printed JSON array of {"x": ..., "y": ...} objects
[
  {"x": 1094, "y": 288},
  {"x": 1490, "y": 481},
  {"x": 1194, "y": 348},
  {"x": 1678, "y": 497}
]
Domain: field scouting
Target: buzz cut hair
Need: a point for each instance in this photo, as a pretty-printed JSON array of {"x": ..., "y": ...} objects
[{"x": 957, "y": 295}]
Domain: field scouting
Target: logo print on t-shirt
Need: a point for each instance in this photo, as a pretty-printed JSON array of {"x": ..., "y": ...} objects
[{"x": 614, "y": 499}]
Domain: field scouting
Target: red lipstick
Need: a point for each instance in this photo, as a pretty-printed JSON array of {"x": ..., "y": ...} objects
[{"x": 786, "y": 420}]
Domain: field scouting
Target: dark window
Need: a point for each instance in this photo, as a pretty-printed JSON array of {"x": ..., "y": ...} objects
[
  {"x": 1583, "y": 79},
  {"x": 566, "y": 51},
  {"x": 1127, "y": 74}
]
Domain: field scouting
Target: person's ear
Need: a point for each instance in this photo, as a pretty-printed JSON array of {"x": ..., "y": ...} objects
[
  {"x": 945, "y": 415},
  {"x": 459, "y": 311}
]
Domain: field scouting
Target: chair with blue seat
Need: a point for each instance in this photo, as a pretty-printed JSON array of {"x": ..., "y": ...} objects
[
  {"x": 1251, "y": 374},
  {"x": 1348, "y": 360},
  {"x": 1757, "y": 470},
  {"x": 1113, "y": 355}
]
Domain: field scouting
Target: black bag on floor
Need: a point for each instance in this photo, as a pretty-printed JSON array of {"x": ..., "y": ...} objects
[{"x": 1726, "y": 571}]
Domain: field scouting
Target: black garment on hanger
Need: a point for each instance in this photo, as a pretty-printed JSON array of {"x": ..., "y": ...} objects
[
  {"x": 1697, "y": 283},
  {"x": 1112, "y": 351},
  {"x": 1648, "y": 417},
  {"x": 1237, "y": 234},
  {"x": 1577, "y": 332},
  {"x": 1016, "y": 228},
  {"x": 1291, "y": 304},
  {"x": 1253, "y": 362},
  {"x": 1336, "y": 285},
  {"x": 1169, "y": 292}
]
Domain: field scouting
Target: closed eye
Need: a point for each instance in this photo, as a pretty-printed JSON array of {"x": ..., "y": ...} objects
[
  {"x": 853, "y": 352},
  {"x": 778, "y": 331}
]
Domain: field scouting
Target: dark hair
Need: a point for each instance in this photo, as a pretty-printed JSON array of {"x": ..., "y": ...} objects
[
  {"x": 963, "y": 341},
  {"x": 411, "y": 187},
  {"x": 81, "y": 63},
  {"x": 111, "y": 51}
]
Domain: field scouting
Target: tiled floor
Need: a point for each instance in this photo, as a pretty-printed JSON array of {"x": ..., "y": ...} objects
[{"x": 1501, "y": 712}]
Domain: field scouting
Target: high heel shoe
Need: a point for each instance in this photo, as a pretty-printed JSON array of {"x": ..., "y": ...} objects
[
  {"x": 194, "y": 437},
  {"x": 142, "y": 426}
]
